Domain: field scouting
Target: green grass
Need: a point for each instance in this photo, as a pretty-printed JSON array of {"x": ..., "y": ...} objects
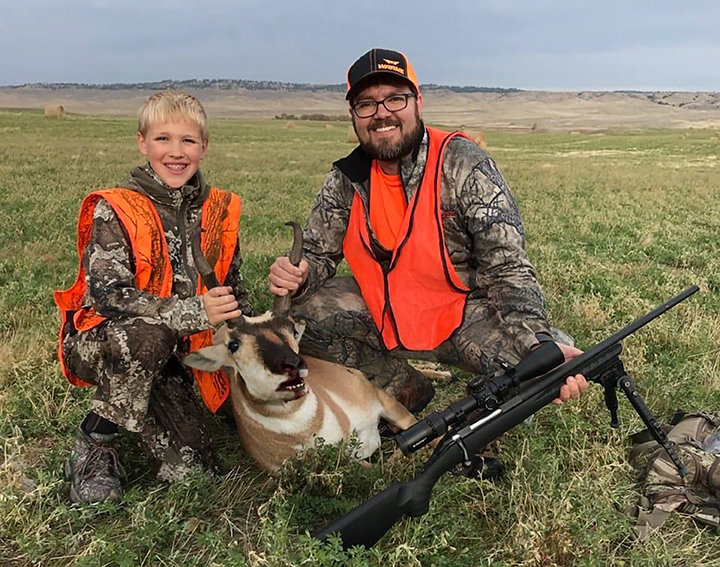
[{"x": 615, "y": 223}]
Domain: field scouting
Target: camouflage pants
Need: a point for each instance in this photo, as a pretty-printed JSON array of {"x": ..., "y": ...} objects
[
  {"x": 143, "y": 387},
  {"x": 341, "y": 329}
]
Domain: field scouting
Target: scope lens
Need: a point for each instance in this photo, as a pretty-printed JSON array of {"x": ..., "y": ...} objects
[{"x": 414, "y": 438}]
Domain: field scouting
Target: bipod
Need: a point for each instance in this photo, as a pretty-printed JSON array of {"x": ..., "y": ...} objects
[{"x": 613, "y": 377}]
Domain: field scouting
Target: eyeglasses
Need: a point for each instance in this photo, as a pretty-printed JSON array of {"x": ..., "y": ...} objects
[{"x": 393, "y": 103}]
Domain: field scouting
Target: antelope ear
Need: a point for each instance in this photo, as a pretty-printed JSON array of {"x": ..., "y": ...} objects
[
  {"x": 298, "y": 328},
  {"x": 220, "y": 335},
  {"x": 209, "y": 359}
]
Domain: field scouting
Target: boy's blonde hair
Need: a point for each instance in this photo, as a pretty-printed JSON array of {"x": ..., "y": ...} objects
[{"x": 171, "y": 106}]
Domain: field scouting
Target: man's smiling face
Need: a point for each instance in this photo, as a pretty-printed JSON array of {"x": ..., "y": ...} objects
[
  {"x": 386, "y": 135},
  {"x": 174, "y": 150}
]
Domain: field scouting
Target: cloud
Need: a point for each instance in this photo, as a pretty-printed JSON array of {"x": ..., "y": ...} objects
[{"x": 545, "y": 43}]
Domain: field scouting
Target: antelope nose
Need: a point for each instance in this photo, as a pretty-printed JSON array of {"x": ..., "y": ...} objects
[{"x": 292, "y": 365}]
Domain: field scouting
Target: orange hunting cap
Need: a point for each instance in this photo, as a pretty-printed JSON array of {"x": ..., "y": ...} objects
[{"x": 377, "y": 61}]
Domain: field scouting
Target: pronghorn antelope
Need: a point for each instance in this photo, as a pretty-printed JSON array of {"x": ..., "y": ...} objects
[{"x": 282, "y": 402}]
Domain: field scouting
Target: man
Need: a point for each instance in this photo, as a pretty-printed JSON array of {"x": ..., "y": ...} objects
[{"x": 435, "y": 243}]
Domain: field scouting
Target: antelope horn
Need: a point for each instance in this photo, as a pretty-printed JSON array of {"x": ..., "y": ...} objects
[
  {"x": 207, "y": 274},
  {"x": 297, "y": 246},
  {"x": 203, "y": 266},
  {"x": 281, "y": 303}
]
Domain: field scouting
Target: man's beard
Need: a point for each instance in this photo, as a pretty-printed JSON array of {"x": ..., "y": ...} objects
[{"x": 389, "y": 151}]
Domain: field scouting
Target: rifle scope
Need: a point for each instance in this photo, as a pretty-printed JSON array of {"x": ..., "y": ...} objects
[{"x": 541, "y": 360}]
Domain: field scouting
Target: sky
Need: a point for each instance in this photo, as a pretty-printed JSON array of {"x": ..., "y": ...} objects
[{"x": 529, "y": 44}]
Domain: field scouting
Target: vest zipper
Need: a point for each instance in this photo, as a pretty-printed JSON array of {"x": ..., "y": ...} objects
[
  {"x": 183, "y": 242},
  {"x": 387, "y": 308}
]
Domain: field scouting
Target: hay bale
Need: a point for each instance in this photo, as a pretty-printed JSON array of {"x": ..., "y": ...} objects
[
  {"x": 329, "y": 127},
  {"x": 55, "y": 111},
  {"x": 479, "y": 137},
  {"x": 352, "y": 136},
  {"x": 291, "y": 125}
]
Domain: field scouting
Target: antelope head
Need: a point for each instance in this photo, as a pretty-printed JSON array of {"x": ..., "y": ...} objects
[{"x": 263, "y": 350}]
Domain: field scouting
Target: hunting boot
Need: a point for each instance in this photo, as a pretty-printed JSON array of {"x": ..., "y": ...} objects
[
  {"x": 416, "y": 393},
  {"x": 93, "y": 469}
]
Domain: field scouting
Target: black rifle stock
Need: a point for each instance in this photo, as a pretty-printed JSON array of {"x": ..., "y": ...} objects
[{"x": 474, "y": 422}]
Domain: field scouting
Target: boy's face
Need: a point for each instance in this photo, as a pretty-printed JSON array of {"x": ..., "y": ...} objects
[{"x": 174, "y": 150}]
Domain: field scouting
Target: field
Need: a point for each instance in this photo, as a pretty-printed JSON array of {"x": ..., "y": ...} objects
[
  {"x": 586, "y": 111},
  {"x": 616, "y": 224}
]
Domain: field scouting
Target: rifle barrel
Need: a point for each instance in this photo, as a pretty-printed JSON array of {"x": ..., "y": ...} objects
[
  {"x": 632, "y": 327},
  {"x": 571, "y": 367}
]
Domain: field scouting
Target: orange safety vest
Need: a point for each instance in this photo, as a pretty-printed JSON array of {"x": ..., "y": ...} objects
[
  {"x": 418, "y": 301},
  {"x": 153, "y": 271}
]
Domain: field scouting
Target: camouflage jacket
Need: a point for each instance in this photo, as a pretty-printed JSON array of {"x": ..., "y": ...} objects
[
  {"x": 110, "y": 268},
  {"x": 483, "y": 231}
]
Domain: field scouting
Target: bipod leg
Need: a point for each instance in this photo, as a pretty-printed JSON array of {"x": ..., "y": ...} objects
[
  {"x": 626, "y": 384},
  {"x": 611, "y": 402}
]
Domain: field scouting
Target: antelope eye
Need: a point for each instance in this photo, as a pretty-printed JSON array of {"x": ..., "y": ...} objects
[{"x": 233, "y": 346}]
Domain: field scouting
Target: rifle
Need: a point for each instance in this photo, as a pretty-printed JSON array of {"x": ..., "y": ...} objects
[{"x": 492, "y": 408}]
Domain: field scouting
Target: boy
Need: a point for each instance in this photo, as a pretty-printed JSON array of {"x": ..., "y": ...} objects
[{"x": 137, "y": 305}]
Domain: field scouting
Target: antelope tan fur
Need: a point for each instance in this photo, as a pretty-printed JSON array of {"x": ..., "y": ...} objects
[{"x": 281, "y": 401}]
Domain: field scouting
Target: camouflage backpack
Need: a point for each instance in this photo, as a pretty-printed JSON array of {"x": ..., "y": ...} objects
[{"x": 698, "y": 494}]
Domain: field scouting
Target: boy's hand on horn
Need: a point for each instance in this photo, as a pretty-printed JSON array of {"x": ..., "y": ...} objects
[{"x": 220, "y": 304}]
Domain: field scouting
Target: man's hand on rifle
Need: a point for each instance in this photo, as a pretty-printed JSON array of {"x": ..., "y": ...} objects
[{"x": 574, "y": 385}]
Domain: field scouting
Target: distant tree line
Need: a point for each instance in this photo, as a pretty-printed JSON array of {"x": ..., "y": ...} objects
[
  {"x": 319, "y": 117},
  {"x": 232, "y": 84},
  {"x": 455, "y": 89}
]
